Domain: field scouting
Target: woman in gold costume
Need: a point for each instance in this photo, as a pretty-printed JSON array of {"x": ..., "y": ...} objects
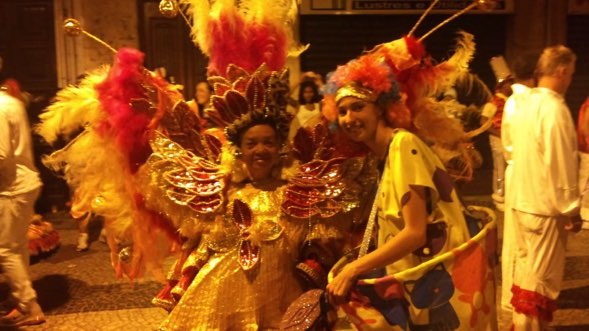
[
  {"x": 254, "y": 227},
  {"x": 256, "y": 219}
]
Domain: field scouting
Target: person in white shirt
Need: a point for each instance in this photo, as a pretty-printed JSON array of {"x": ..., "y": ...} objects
[
  {"x": 523, "y": 72},
  {"x": 201, "y": 101},
  {"x": 19, "y": 188},
  {"x": 308, "y": 104},
  {"x": 544, "y": 189}
]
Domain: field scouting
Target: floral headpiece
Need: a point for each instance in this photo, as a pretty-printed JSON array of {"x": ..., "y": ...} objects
[{"x": 375, "y": 76}]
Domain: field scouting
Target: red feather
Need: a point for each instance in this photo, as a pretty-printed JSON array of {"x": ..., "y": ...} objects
[
  {"x": 369, "y": 70},
  {"x": 246, "y": 45},
  {"x": 123, "y": 84}
]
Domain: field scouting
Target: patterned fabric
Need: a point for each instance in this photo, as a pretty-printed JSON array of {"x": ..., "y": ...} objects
[
  {"x": 226, "y": 296},
  {"x": 448, "y": 283},
  {"x": 411, "y": 163},
  {"x": 454, "y": 291}
]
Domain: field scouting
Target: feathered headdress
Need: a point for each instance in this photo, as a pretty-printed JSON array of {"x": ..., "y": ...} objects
[
  {"x": 402, "y": 66},
  {"x": 243, "y": 99},
  {"x": 247, "y": 43},
  {"x": 243, "y": 33},
  {"x": 399, "y": 66}
]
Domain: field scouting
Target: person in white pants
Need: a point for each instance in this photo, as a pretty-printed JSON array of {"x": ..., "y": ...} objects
[
  {"x": 523, "y": 73},
  {"x": 544, "y": 190},
  {"x": 19, "y": 188}
]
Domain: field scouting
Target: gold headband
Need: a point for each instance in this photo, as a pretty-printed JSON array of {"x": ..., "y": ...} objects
[{"x": 353, "y": 90}]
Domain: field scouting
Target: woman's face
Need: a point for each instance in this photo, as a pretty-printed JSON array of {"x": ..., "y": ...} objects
[
  {"x": 358, "y": 118},
  {"x": 308, "y": 94},
  {"x": 260, "y": 150},
  {"x": 203, "y": 93}
]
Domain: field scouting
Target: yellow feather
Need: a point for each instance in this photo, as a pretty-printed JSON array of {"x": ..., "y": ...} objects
[
  {"x": 74, "y": 107},
  {"x": 199, "y": 11},
  {"x": 463, "y": 53},
  {"x": 282, "y": 13}
]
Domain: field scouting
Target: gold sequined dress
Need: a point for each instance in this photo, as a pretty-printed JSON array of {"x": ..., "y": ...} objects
[{"x": 225, "y": 296}]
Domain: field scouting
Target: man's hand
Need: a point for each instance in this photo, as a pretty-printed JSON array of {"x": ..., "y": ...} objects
[{"x": 573, "y": 224}]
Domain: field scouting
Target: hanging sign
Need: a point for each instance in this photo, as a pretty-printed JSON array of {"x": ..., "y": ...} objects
[{"x": 380, "y": 7}]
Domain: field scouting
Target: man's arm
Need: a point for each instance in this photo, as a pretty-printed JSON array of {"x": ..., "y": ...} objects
[
  {"x": 508, "y": 111},
  {"x": 7, "y": 163},
  {"x": 561, "y": 154}
]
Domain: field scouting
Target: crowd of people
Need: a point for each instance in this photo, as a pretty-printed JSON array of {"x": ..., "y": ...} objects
[{"x": 345, "y": 195}]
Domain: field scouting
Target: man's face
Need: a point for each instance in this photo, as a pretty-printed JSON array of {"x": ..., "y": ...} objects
[{"x": 566, "y": 76}]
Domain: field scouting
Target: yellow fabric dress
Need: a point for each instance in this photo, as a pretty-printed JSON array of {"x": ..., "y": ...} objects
[
  {"x": 224, "y": 296},
  {"x": 411, "y": 162},
  {"x": 448, "y": 283}
]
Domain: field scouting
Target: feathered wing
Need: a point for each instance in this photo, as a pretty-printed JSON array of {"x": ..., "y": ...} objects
[
  {"x": 90, "y": 162},
  {"x": 187, "y": 188},
  {"x": 327, "y": 179},
  {"x": 118, "y": 111}
]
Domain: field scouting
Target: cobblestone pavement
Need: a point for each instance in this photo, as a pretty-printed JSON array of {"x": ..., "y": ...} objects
[{"x": 78, "y": 291}]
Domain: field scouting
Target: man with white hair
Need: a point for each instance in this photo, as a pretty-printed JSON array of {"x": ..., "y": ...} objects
[
  {"x": 544, "y": 192},
  {"x": 19, "y": 188}
]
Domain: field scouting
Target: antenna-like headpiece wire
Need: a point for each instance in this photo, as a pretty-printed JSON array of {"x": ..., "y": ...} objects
[
  {"x": 449, "y": 19},
  {"x": 425, "y": 13},
  {"x": 73, "y": 28}
]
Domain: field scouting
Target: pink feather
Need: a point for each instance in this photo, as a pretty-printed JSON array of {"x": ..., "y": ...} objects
[
  {"x": 128, "y": 126},
  {"x": 245, "y": 44}
]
